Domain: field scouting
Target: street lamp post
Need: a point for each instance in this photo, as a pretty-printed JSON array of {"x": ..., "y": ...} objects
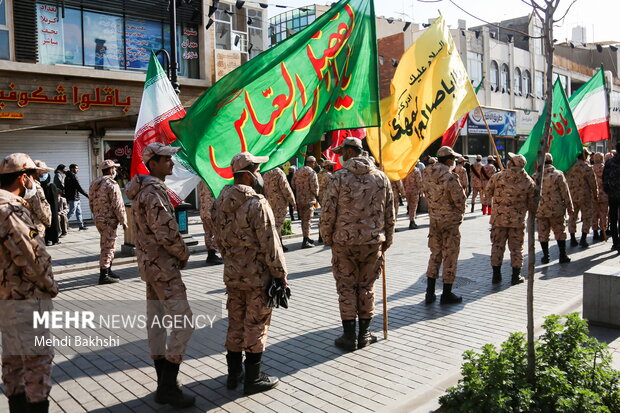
[{"x": 172, "y": 8}]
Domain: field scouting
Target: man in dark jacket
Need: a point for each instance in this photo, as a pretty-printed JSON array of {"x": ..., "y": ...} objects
[
  {"x": 611, "y": 185},
  {"x": 73, "y": 189}
]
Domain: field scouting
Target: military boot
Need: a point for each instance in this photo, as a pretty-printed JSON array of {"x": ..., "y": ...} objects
[
  {"x": 18, "y": 403},
  {"x": 596, "y": 236},
  {"x": 412, "y": 224},
  {"x": 306, "y": 243},
  {"x": 472, "y": 208},
  {"x": 563, "y": 257},
  {"x": 255, "y": 380},
  {"x": 582, "y": 242},
  {"x": 573, "y": 240},
  {"x": 497, "y": 274},
  {"x": 111, "y": 274},
  {"x": 104, "y": 277},
  {"x": 235, "y": 369},
  {"x": 284, "y": 247},
  {"x": 213, "y": 259},
  {"x": 159, "y": 368},
  {"x": 320, "y": 240},
  {"x": 365, "y": 337},
  {"x": 347, "y": 341},
  {"x": 516, "y": 276},
  {"x": 448, "y": 297},
  {"x": 38, "y": 407},
  {"x": 430, "y": 290},
  {"x": 168, "y": 391},
  {"x": 545, "y": 249}
]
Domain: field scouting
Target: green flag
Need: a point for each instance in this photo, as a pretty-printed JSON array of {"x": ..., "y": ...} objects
[
  {"x": 565, "y": 143},
  {"x": 322, "y": 78}
]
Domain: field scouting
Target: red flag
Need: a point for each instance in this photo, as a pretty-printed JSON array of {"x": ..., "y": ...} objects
[
  {"x": 338, "y": 137},
  {"x": 451, "y": 135}
]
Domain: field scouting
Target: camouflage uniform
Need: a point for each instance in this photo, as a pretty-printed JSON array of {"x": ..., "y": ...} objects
[
  {"x": 306, "y": 186},
  {"x": 476, "y": 181},
  {"x": 446, "y": 207},
  {"x": 601, "y": 208},
  {"x": 460, "y": 171},
  {"x": 512, "y": 194},
  {"x": 583, "y": 191},
  {"x": 555, "y": 200},
  {"x": 40, "y": 210},
  {"x": 398, "y": 192},
  {"x": 106, "y": 203},
  {"x": 324, "y": 176},
  {"x": 246, "y": 231},
  {"x": 412, "y": 186},
  {"x": 486, "y": 173},
  {"x": 160, "y": 251},
  {"x": 206, "y": 204},
  {"x": 279, "y": 194},
  {"x": 26, "y": 275},
  {"x": 358, "y": 222}
]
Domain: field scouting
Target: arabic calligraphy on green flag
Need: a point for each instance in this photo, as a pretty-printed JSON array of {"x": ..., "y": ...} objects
[{"x": 323, "y": 78}]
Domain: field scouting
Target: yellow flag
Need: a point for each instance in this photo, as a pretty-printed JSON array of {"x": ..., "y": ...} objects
[{"x": 430, "y": 91}]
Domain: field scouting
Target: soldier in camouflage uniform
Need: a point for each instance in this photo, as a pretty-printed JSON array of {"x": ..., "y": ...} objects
[
  {"x": 324, "y": 176},
  {"x": 206, "y": 204},
  {"x": 584, "y": 193},
  {"x": 461, "y": 172},
  {"x": 399, "y": 192},
  {"x": 358, "y": 223},
  {"x": 280, "y": 195},
  {"x": 476, "y": 181},
  {"x": 106, "y": 204},
  {"x": 487, "y": 172},
  {"x": 247, "y": 234},
  {"x": 446, "y": 207},
  {"x": 27, "y": 285},
  {"x": 601, "y": 208},
  {"x": 162, "y": 254},
  {"x": 512, "y": 194},
  {"x": 306, "y": 187},
  {"x": 38, "y": 206},
  {"x": 412, "y": 185},
  {"x": 555, "y": 201}
]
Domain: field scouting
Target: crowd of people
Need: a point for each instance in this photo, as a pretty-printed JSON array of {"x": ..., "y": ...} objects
[{"x": 359, "y": 206}]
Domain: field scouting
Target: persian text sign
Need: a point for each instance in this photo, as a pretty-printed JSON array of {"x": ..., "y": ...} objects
[{"x": 501, "y": 122}]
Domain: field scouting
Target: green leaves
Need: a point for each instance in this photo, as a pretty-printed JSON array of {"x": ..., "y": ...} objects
[{"x": 574, "y": 374}]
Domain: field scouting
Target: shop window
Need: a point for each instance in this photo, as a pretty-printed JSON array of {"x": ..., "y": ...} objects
[
  {"x": 5, "y": 45},
  {"x": 494, "y": 76},
  {"x": 142, "y": 37},
  {"x": 188, "y": 51},
  {"x": 60, "y": 40},
  {"x": 120, "y": 152},
  {"x": 518, "y": 84},
  {"x": 505, "y": 78},
  {"x": 103, "y": 41}
]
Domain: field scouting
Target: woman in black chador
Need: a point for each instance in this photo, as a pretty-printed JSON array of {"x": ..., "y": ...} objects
[{"x": 51, "y": 194}]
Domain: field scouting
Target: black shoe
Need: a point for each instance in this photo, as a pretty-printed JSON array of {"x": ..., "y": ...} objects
[
  {"x": 596, "y": 236},
  {"x": 347, "y": 341},
  {"x": 168, "y": 391},
  {"x": 430, "y": 290},
  {"x": 18, "y": 403},
  {"x": 497, "y": 275},
  {"x": 235, "y": 369},
  {"x": 104, "y": 277},
  {"x": 545, "y": 248},
  {"x": 472, "y": 208},
  {"x": 413, "y": 225},
  {"x": 38, "y": 407},
  {"x": 564, "y": 259},
  {"x": 213, "y": 259},
  {"x": 320, "y": 241},
  {"x": 112, "y": 274},
  {"x": 582, "y": 242},
  {"x": 159, "y": 368},
  {"x": 83, "y": 228},
  {"x": 284, "y": 248},
  {"x": 448, "y": 297},
  {"x": 257, "y": 381},
  {"x": 364, "y": 336},
  {"x": 311, "y": 241},
  {"x": 573, "y": 240},
  {"x": 516, "y": 276},
  {"x": 306, "y": 243}
]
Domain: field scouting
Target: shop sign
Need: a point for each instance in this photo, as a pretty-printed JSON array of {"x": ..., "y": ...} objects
[
  {"x": 526, "y": 119},
  {"x": 501, "y": 122},
  {"x": 225, "y": 62}
]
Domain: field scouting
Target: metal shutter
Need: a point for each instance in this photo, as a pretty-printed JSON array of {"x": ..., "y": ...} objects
[
  {"x": 25, "y": 29},
  {"x": 54, "y": 147}
]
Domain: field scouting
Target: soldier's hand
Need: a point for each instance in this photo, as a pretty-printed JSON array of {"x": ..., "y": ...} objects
[
  {"x": 125, "y": 227},
  {"x": 184, "y": 263},
  {"x": 284, "y": 282}
]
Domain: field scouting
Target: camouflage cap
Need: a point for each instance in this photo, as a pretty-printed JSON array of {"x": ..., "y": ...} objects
[
  {"x": 17, "y": 162},
  {"x": 42, "y": 166},
  {"x": 548, "y": 158},
  {"x": 432, "y": 160},
  {"x": 490, "y": 158},
  {"x": 598, "y": 157},
  {"x": 517, "y": 160},
  {"x": 310, "y": 159},
  {"x": 327, "y": 162},
  {"x": 244, "y": 159},
  {"x": 447, "y": 151},
  {"x": 478, "y": 157},
  {"x": 351, "y": 142},
  {"x": 157, "y": 148},
  {"x": 108, "y": 163}
]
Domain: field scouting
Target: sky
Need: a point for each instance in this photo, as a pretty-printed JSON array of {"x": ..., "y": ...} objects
[{"x": 600, "y": 17}]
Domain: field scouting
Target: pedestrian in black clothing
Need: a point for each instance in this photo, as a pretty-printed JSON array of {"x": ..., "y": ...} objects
[
  {"x": 611, "y": 185},
  {"x": 73, "y": 189},
  {"x": 59, "y": 178},
  {"x": 51, "y": 195}
]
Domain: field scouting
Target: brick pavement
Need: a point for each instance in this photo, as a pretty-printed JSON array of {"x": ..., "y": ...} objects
[{"x": 404, "y": 373}]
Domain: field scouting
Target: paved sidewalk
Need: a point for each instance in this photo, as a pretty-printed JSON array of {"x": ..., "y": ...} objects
[{"x": 404, "y": 373}]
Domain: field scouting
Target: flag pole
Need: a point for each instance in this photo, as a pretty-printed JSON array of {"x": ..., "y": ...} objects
[{"x": 499, "y": 159}]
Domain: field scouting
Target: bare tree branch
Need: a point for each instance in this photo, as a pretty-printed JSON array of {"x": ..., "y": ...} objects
[{"x": 567, "y": 10}]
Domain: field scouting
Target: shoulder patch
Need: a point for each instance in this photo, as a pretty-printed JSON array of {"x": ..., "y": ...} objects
[{"x": 33, "y": 233}]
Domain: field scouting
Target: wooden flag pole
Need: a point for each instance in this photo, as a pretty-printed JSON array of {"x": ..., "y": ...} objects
[
  {"x": 499, "y": 159},
  {"x": 384, "y": 277}
]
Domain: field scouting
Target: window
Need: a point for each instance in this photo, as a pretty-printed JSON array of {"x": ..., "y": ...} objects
[
  {"x": 537, "y": 42},
  {"x": 103, "y": 41},
  {"x": 518, "y": 83},
  {"x": 5, "y": 45},
  {"x": 527, "y": 83},
  {"x": 142, "y": 37},
  {"x": 505, "y": 78},
  {"x": 474, "y": 67},
  {"x": 540, "y": 84},
  {"x": 563, "y": 81},
  {"x": 288, "y": 23},
  {"x": 494, "y": 77}
]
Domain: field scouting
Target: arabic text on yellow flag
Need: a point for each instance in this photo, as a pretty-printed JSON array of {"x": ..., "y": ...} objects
[{"x": 430, "y": 91}]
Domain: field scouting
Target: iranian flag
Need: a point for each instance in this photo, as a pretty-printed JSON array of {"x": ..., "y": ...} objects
[
  {"x": 338, "y": 137},
  {"x": 590, "y": 109},
  {"x": 160, "y": 104}
]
